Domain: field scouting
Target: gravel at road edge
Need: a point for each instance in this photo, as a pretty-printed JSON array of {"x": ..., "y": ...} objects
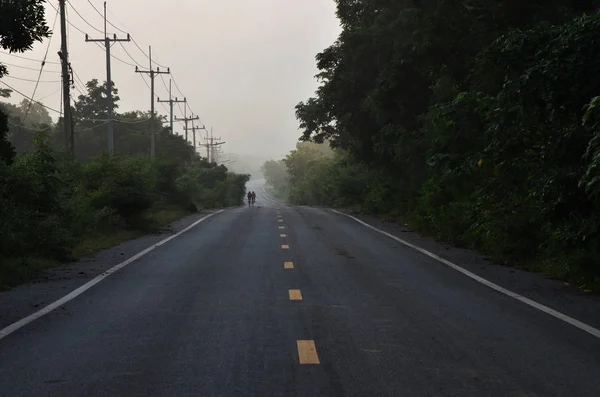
[
  {"x": 555, "y": 294},
  {"x": 55, "y": 283}
]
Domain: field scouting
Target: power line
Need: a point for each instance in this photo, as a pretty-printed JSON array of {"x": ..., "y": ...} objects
[
  {"x": 32, "y": 81},
  {"x": 26, "y": 128},
  {"x": 178, "y": 103},
  {"x": 178, "y": 89},
  {"x": 122, "y": 31},
  {"x": 80, "y": 81},
  {"x": 112, "y": 56},
  {"x": 128, "y": 54},
  {"x": 84, "y": 20},
  {"x": 69, "y": 22},
  {"x": 164, "y": 82},
  {"x": 49, "y": 95},
  {"x": 79, "y": 90},
  {"x": 148, "y": 85},
  {"x": 31, "y": 99},
  {"x": 25, "y": 67},
  {"x": 98, "y": 11},
  {"x": 37, "y": 83},
  {"x": 154, "y": 61},
  {"x": 29, "y": 59},
  {"x": 176, "y": 86},
  {"x": 180, "y": 109},
  {"x": 79, "y": 130},
  {"x": 132, "y": 122}
]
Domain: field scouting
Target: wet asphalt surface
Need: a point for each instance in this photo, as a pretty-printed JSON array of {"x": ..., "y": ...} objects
[{"x": 209, "y": 314}]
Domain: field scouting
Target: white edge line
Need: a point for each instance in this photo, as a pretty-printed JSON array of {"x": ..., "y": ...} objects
[
  {"x": 75, "y": 293},
  {"x": 570, "y": 320}
]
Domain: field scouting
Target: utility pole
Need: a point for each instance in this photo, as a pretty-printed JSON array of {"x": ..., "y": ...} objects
[
  {"x": 194, "y": 128},
  {"x": 211, "y": 146},
  {"x": 207, "y": 145},
  {"x": 66, "y": 82},
  {"x": 107, "y": 43},
  {"x": 171, "y": 102},
  {"x": 152, "y": 74},
  {"x": 185, "y": 120}
]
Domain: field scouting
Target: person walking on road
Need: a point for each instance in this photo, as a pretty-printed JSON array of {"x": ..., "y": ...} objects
[{"x": 249, "y": 199}]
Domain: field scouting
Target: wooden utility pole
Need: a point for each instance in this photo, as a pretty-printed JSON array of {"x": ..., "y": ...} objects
[
  {"x": 107, "y": 43},
  {"x": 171, "y": 102},
  {"x": 186, "y": 120},
  {"x": 152, "y": 74},
  {"x": 212, "y": 146},
  {"x": 66, "y": 82}
]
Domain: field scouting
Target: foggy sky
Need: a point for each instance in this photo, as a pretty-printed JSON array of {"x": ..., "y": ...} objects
[{"x": 243, "y": 65}]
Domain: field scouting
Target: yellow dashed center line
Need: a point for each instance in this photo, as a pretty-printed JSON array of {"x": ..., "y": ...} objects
[{"x": 307, "y": 352}]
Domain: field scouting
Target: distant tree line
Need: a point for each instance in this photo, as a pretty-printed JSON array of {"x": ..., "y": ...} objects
[
  {"x": 55, "y": 206},
  {"x": 474, "y": 121}
]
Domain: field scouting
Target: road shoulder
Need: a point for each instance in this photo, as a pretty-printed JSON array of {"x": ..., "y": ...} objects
[
  {"x": 555, "y": 294},
  {"x": 53, "y": 284}
]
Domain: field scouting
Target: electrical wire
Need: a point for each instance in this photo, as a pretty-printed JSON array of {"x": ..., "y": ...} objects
[
  {"x": 37, "y": 83},
  {"x": 132, "y": 122},
  {"x": 85, "y": 20},
  {"x": 131, "y": 37},
  {"x": 49, "y": 95},
  {"x": 147, "y": 56},
  {"x": 107, "y": 21},
  {"x": 69, "y": 22},
  {"x": 81, "y": 83},
  {"x": 29, "y": 59},
  {"x": 79, "y": 90},
  {"x": 175, "y": 82},
  {"x": 148, "y": 85},
  {"x": 31, "y": 99},
  {"x": 179, "y": 90},
  {"x": 25, "y": 67},
  {"x": 112, "y": 56},
  {"x": 32, "y": 81},
  {"x": 178, "y": 103},
  {"x": 130, "y": 57},
  {"x": 26, "y": 128},
  {"x": 180, "y": 109},
  {"x": 164, "y": 83},
  {"x": 98, "y": 11}
]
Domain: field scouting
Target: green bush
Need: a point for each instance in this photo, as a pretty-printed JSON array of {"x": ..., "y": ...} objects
[{"x": 51, "y": 203}]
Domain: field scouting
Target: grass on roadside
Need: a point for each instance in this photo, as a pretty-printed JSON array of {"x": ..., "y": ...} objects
[{"x": 21, "y": 270}]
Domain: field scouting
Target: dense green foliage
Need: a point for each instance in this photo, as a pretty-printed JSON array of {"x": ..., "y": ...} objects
[
  {"x": 50, "y": 204},
  {"x": 22, "y": 23},
  {"x": 276, "y": 175},
  {"x": 54, "y": 206},
  {"x": 476, "y": 121}
]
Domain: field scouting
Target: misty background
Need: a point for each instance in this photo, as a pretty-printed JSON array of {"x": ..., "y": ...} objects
[{"x": 243, "y": 66}]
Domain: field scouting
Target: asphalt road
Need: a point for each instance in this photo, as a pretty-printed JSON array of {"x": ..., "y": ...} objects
[{"x": 294, "y": 301}]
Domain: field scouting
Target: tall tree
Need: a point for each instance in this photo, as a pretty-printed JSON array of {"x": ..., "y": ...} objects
[{"x": 22, "y": 23}]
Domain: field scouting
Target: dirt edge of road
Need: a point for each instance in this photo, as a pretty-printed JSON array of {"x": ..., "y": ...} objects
[
  {"x": 54, "y": 283},
  {"x": 555, "y": 294}
]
